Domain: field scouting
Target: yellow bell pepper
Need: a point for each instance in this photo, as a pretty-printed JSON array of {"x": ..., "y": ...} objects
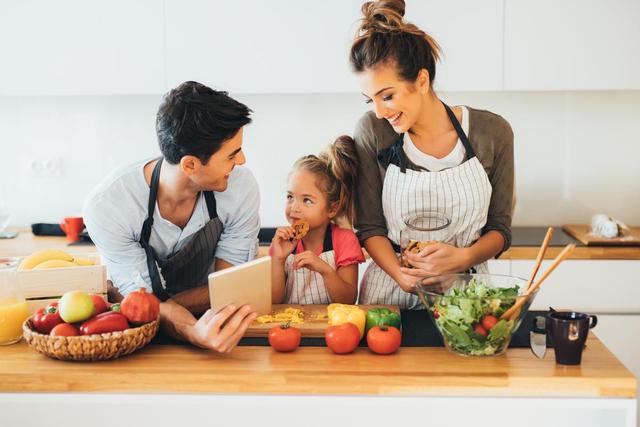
[{"x": 343, "y": 313}]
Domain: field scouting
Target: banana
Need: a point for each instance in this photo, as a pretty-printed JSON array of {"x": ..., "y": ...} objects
[
  {"x": 54, "y": 263},
  {"x": 38, "y": 257},
  {"x": 83, "y": 261}
]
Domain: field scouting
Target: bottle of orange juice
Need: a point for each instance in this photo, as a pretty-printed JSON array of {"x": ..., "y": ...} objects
[{"x": 13, "y": 308}]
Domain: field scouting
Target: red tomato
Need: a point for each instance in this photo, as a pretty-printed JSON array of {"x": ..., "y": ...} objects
[
  {"x": 342, "y": 339},
  {"x": 436, "y": 314},
  {"x": 384, "y": 340},
  {"x": 284, "y": 338},
  {"x": 99, "y": 304},
  {"x": 489, "y": 322},
  {"x": 103, "y": 323},
  {"x": 479, "y": 329},
  {"x": 47, "y": 318},
  {"x": 64, "y": 330}
]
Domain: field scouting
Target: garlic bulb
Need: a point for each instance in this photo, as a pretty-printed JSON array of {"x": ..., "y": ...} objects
[{"x": 604, "y": 225}]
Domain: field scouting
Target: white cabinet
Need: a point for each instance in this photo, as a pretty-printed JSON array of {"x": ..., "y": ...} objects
[
  {"x": 598, "y": 286},
  {"x": 285, "y": 46},
  {"x": 571, "y": 45},
  {"x": 470, "y": 34},
  {"x": 78, "y": 47}
]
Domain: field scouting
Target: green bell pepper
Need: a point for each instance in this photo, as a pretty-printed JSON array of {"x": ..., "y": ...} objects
[{"x": 382, "y": 316}]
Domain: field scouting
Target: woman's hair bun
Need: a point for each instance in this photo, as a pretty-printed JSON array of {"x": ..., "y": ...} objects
[{"x": 383, "y": 15}]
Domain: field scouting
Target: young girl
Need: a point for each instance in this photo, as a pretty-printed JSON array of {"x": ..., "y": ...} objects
[{"x": 322, "y": 267}]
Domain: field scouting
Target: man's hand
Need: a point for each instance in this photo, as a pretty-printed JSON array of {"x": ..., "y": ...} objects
[{"x": 221, "y": 331}]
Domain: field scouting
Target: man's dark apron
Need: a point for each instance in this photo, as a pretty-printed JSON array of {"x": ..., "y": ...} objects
[{"x": 189, "y": 267}]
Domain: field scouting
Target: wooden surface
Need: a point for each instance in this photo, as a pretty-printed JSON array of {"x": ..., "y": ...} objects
[
  {"x": 581, "y": 232},
  {"x": 413, "y": 371},
  {"x": 315, "y": 319},
  {"x": 27, "y": 243}
]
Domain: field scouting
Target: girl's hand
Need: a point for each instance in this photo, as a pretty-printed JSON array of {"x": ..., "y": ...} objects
[
  {"x": 311, "y": 261},
  {"x": 437, "y": 258},
  {"x": 282, "y": 243}
]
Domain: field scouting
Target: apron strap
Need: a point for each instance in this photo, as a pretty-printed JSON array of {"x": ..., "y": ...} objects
[
  {"x": 327, "y": 245},
  {"x": 154, "y": 274},
  {"x": 211, "y": 204},
  {"x": 463, "y": 137}
]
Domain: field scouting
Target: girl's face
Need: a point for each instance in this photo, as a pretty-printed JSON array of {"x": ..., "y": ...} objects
[
  {"x": 305, "y": 200},
  {"x": 393, "y": 99}
]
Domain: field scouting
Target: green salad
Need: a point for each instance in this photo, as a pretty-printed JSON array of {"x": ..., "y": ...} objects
[{"x": 468, "y": 319}]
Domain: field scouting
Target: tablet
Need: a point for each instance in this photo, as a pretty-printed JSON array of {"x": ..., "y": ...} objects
[{"x": 248, "y": 283}]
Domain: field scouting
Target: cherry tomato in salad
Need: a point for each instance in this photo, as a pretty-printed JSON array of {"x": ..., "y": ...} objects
[
  {"x": 480, "y": 330},
  {"x": 489, "y": 322}
]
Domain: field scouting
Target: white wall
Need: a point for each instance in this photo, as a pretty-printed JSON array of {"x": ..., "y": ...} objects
[{"x": 576, "y": 152}]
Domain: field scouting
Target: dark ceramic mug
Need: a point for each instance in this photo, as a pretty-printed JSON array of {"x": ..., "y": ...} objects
[{"x": 569, "y": 330}]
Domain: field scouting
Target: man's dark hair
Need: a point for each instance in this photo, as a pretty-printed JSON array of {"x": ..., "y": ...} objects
[{"x": 196, "y": 120}]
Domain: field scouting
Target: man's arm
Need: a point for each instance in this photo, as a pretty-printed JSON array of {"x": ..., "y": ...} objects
[{"x": 196, "y": 300}]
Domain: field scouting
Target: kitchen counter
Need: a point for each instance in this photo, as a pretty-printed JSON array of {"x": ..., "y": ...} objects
[
  {"x": 27, "y": 243},
  {"x": 427, "y": 376}
]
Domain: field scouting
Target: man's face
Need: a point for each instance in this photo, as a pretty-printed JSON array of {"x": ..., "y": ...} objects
[{"x": 214, "y": 176}]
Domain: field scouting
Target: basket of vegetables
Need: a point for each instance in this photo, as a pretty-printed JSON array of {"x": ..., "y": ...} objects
[
  {"x": 84, "y": 327},
  {"x": 469, "y": 310}
]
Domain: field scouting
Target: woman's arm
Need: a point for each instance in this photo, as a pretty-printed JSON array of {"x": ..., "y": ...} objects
[{"x": 382, "y": 253}]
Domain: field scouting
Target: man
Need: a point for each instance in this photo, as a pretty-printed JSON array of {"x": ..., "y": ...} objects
[{"x": 165, "y": 224}]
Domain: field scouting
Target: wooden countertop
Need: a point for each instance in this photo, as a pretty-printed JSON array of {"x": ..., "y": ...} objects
[
  {"x": 413, "y": 371},
  {"x": 27, "y": 243}
]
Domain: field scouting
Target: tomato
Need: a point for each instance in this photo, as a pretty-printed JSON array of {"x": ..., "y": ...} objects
[
  {"x": 489, "y": 322},
  {"x": 284, "y": 338},
  {"x": 436, "y": 314},
  {"x": 342, "y": 339},
  {"x": 64, "y": 330},
  {"x": 46, "y": 318},
  {"x": 384, "y": 339},
  {"x": 140, "y": 307},
  {"x": 479, "y": 329},
  {"x": 103, "y": 323},
  {"x": 99, "y": 304}
]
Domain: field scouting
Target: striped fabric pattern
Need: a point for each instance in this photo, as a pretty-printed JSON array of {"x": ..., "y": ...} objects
[{"x": 304, "y": 286}]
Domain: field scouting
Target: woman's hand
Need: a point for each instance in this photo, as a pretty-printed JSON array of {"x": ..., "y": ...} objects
[
  {"x": 437, "y": 258},
  {"x": 221, "y": 331},
  {"x": 311, "y": 261},
  {"x": 282, "y": 243}
]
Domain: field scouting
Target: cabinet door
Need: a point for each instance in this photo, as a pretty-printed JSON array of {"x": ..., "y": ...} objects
[
  {"x": 79, "y": 47},
  {"x": 572, "y": 45},
  {"x": 587, "y": 285},
  {"x": 262, "y": 47},
  {"x": 620, "y": 335},
  {"x": 470, "y": 34}
]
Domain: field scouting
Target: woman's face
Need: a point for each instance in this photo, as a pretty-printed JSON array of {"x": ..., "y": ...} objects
[{"x": 393, "y": 99}]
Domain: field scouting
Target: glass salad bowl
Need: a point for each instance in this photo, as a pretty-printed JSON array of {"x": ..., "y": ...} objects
[{"x": 466, "y": 309}]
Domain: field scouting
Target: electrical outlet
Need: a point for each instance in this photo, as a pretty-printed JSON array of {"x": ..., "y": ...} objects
[{"x": 45, "y": 168}]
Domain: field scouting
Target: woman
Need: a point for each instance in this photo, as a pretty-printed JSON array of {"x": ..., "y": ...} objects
[{"x": 418, "y": 155}]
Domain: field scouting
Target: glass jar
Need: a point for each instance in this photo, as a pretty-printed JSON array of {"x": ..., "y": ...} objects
[
  {"x": 13, "y": 307},
  {"x": 421, "y": 230}
]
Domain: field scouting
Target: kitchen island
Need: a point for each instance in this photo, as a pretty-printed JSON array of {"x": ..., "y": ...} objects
[{"x": 171, "y": 384}]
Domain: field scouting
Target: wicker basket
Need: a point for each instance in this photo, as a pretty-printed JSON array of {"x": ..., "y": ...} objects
[{"x": 91, "y": 347}]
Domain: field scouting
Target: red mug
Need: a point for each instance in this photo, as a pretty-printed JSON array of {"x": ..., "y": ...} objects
[{"x": 72, "y": 226}]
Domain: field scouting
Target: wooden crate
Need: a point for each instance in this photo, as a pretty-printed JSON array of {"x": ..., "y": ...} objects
[{"x": 40, "y": 287}]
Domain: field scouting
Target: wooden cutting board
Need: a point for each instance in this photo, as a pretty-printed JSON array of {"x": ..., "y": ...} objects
[
  {"x": 315, "y": 319},
  {"x": 580, "y": 232}
]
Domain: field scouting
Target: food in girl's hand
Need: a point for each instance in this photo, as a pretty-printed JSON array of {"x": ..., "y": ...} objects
[
  {"x": 382, "y": 316},
  {"x": 342, "y": 313},
  {"x": 47, "y": 318},
  {"x": 468, "y": 319},
  {"x": 75, "y": 306},
  {"x": 384, "y": 339},
  {"x": 343, "y": 338},
  {"x": 414, "y": 247},
  {"x": 300, "y": 229},
  {"x": 140, "y": 307},
  {"x": 284, "y": 338},
  {"x": 105, "y": 322},
  {"x": 289, "y": 315}
]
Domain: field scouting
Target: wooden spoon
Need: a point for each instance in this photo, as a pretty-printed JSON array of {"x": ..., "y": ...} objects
[
  {"x": 521, "y": 300},
  {"x": 540, "y": 257}
]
